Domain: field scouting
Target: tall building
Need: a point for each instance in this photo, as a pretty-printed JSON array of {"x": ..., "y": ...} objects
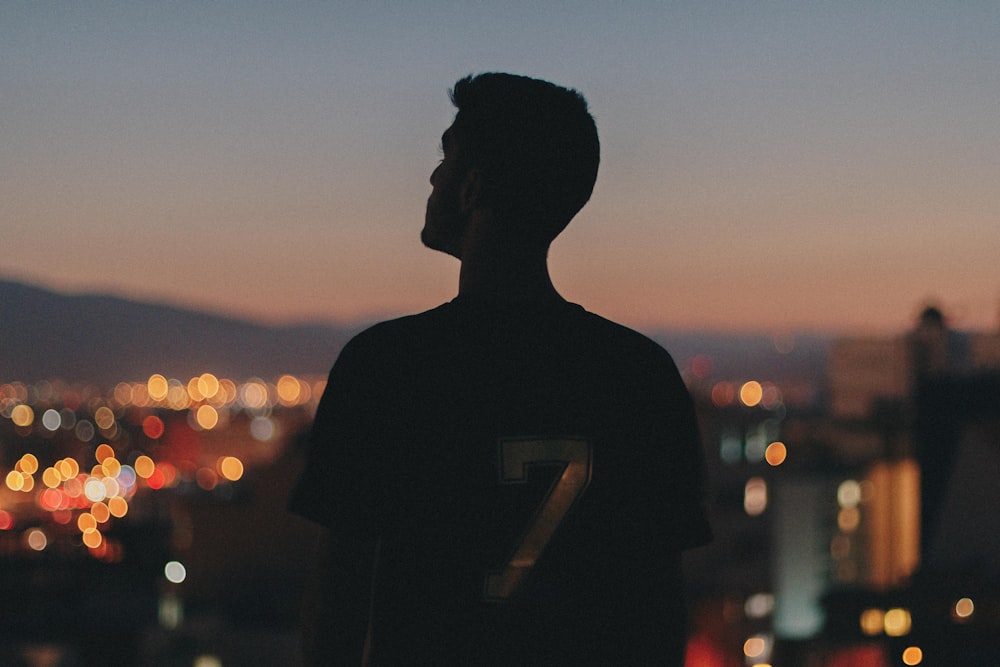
[{"x": 920, "y": 414}]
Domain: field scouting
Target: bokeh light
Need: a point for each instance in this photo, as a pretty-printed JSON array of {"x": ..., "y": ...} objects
[
  {"x": 51, "y": 478},
  {"x": 104, "y": 418},
  {"x": 144, "y": 466},
  {"x": 93, "y": 539},
  {"x": 153, "y": 427},
  {"x": 22, "y": 415},
  {"x": 897, "y": 622},
  {"x": 14, "y": 480},
  {"x": 849, "y": 493},
  {"x": 208, "y": 385},
  {"x": 288, "y": 390},
  {"x": 963, "y": 609},
  {"x": 231, "y": 468},
  {"x": 775, "y": 453},
  {"x": 111, "y": 466},
  {"x": 51, "y": 419},
  {"x": 872, "y": 622},
  {"x": 36, "y": 539},
  {"x": 86, "y": 522},
  {"x": 157, "y": 387},
  {"x": 28, "y": 463},
  {"x": 94, "y": 489},
  {"x": 755, "y": 496},
  {"x": 913, "y": 655},
  {"x": 262, "y": 429},
  {"x": 84, "y": 431},
  {"x": 175, "y": 572},
  {"x": 723, "y": 394},
  {"x": 754, "y": 647},
  {"x": 751, "y": 393},
  {"x": 102, "y": 452},
  {"x": 118, "y": 507},
  {"x": 759, "y": 605},
  {"x": 208, "y": 417},
  {"x": 848, "y": 519},
  {"x": 253, "y": 394},
  {"x": 100, "y": 512}
]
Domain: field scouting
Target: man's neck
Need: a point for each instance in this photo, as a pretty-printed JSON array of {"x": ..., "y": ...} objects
[{"x": 500, "y": 269}]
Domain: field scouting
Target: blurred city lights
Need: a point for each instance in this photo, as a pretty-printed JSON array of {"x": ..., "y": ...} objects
[
  {"x": 208, "y": 385},
  {"x": 759, "y": 605},
  {"x": 262, "y": 429},
  {"x": 963, "y": 609},
  {"x": 36, "y": 539},
  {"x": 755, "y": 496},
  {"x": 753, "y": 647},
  {"x": 848, "y": 519},
  {"x": 104, "y": 417},
  {"x": 22, "y": 415},
  {"x": 27, "y": 464},
  {"x": 723, "y": 394},
  {"x": 102, "y": 452},
  {"x": 872, "y": 622},
  {"x": 751, "y": 393},
  {"x": 175, "y": 572},
  {"x": 144, "y": 466},
  {"x": 14, "y": 480},
  {"x": 913, "y": 655},
  {"x": 775, "y": 453},
  {"x": 153, "y": 427},
  {"x": 157, "y": 387},
  {"x": 897, "y": 622},
  {"x": 92, "y": 539},
  {"x": 51, "y": 419},
  {"x": 231, "y": 468},
  {"x": 288, "y": 389},
  {"x": 207, "y": 417},
  {"x": 849, "y": 493}
]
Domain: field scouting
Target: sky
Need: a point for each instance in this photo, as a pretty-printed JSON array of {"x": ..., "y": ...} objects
[{"x": 766, "y": 166}]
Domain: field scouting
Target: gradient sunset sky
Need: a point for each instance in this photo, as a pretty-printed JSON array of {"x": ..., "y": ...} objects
[{"x": 767, "y": 166}]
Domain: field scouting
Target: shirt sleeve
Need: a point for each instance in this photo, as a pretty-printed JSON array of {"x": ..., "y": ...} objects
[
  {"x": 672, "y": 484},
  {"x": 342, "y": 485},
  {"x": 688, "y": 459}
]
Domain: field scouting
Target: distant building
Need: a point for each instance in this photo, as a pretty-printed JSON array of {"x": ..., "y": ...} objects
[{"x": 919, "y": 414}]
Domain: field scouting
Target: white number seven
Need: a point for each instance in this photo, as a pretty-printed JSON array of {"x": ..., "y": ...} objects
[{"x": 572, "y": 455}]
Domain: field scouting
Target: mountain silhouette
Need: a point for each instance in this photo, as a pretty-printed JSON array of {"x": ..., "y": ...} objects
[{"x": 104, "y": 340}]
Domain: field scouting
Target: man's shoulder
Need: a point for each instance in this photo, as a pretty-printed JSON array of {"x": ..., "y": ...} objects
[
  {"x": 393, "y": 331},
  {"x": 626, "y": 340},
  {"x": 570, "y": 324}
]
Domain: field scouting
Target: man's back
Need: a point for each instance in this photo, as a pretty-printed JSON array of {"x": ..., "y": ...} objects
[{"x": 531, "y": 471}]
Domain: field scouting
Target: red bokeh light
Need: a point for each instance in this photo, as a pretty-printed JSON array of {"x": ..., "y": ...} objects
[{"x": 152, "y": 426}]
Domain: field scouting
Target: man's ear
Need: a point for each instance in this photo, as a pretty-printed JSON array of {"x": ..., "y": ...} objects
[{"x": 471, "y": 191}]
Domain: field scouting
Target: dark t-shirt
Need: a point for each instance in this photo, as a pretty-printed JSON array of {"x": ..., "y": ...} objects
[{"x": 533, "y": 472}]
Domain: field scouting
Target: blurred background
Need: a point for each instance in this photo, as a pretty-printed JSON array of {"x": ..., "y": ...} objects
[{"x": 200, "y": 203}]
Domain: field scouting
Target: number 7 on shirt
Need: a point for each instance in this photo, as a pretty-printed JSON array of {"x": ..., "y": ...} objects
[{"x": 573, "y": 456}]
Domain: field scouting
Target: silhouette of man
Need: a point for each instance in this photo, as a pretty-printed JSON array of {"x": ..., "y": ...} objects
[{"x": 505, "y": 479}]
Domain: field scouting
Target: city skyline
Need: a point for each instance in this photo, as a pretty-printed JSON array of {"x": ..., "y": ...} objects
[{"x": 765, "y": 167}]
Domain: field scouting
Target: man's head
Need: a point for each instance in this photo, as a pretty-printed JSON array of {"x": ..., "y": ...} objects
[{"x": 533, "y": 147}]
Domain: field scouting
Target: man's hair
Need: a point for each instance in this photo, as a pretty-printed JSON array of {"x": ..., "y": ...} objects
[{"x": 535, "y": 145}]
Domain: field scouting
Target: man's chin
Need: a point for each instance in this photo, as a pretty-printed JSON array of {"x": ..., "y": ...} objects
[
  {"x": 435, "y": 242},
  {"x": 427, "y": 237}
]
